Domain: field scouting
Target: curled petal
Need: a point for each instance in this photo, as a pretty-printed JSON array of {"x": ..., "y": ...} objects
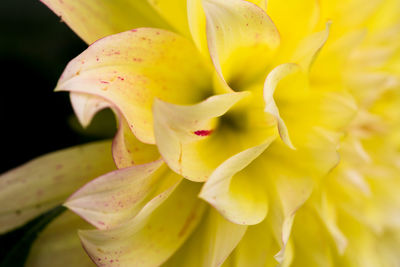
[
  {"x": 118, "y": 196},
  {"x": 237, "y": 193},
  {"x": 221, "y": 237},
  {"x": 291, "y": 73},
  {"x": 50, "y": 179},
  {"x": 153, "y": 235},
  {"x": 127, "y": 150},
  {"x": 241, "y": 40},
  {"x": 95, "y": 19},
  {"x": 130, "y": 69},
  {"x": 181, "y": 130}
]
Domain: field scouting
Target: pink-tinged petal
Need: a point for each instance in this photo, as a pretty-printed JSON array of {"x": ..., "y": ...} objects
[
  {"x": 211, "y": 243},
  {"x": 118, "y": 196},
  {"x": 95, "y": 19},
  {"x": 59, "y": 245},
  {"x": 130, "y": 69},
  {"x": 127, "y": 150},
  {"x": 241, "y": 40},
  {"x": 234, "y": 190},
  {"x": 153, "y": 235},
  {"x": 50, "y": 179}
]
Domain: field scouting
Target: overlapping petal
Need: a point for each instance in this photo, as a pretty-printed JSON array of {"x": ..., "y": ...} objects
[
  {"x": 241, "y": 40},
  {"x": 234, "y": 189},
  {"x": 151, "y": 237},
  {"x": 95, "y": 19},
  {"x": 59, "y": 245},
  {"x": 50, "y": 179},
  {"x": 130, "y": 69},
  {"x": 210, "y": 244},
  {"x": 194, "y": 140},
  {"x": 118, "y": 196}
]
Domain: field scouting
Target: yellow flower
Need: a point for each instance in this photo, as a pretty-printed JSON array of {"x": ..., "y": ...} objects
[{"x": 250, "y": 134}]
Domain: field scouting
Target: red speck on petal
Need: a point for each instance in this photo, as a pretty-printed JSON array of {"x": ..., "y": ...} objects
[
  {"x": 134, "y": 30},
  {"x": 203, "y": 132},
  {"x": 104, "y": 82}
]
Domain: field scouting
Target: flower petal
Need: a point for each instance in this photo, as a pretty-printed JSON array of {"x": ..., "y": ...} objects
[
  {"x": 118, "y": 196},
  {"x": 289, "y": 72},
  {"x": 294, "y": 19},
  {"x": 95, "y": 19},
  {"x": 59, "y": 244},
  {"x": 153, "y": 235},
  {"x": 234, "y": 192},
  {"x": 131, "y": 68},
  {"x": 241, "y": 40},
  {"x": 210, "y": 244},
  {"x": 127, "y": 150},
  {"x": 174, "y": 12},
  {"x": 194, "y": 140},
  {"x": 50, "y": 179},
  {"x": 175, "y": 130}
]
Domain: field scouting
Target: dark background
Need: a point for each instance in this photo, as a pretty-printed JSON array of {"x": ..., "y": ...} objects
[{"x": 35, "y": 47}]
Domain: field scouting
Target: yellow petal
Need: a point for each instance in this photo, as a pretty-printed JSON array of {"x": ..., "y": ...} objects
[
  {"x": 257, "y": 247},
  {"x": 308, "y": 49},
  {"x": 174, "y": 12},
  {"x": 241, "y": 40},
  {"x": 59, "y": 244},
  {"x": 118, "y": 196},
  {"x": 194, "y": 140},
  {"x": 178, "y": 129},
  {"x": 235, "y": 192},
  {"x": 294, "y": 19},
  {"x": 153, "y": 235},
  {"x": 286, "y": 72},
  {"x": 127, "y": 150},
  {"x": 130, "y": 69},
  {"x": 50, "y": 180},
  {"x": 95, "y": 19},
  {"x": 210, "y": 244},
  {"x": 197, "y": 22}
]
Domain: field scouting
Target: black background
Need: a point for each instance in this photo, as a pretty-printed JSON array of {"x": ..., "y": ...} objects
[{"x": 35, "y": 47}]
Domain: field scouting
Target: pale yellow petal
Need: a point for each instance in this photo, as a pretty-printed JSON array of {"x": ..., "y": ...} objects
[
  {"x": 127, "y": 150},
  {"x": 153, "y": 235},
  {"x": 119, "y": 196},
  {"x": 234, "y": 190},
  {"x": 59, "y": 244},
  {"x": 179, "y": 128},
  {"x": 210, "y": 244},
  {"x": 47, "y": 181},
  {"x": 194, "y": 140},
  {"x": 241, "y": 40},
  {"x": 174, "y": 12},
  {"x": 95, "y": 19},
  {"x": 130, "y": 69}
]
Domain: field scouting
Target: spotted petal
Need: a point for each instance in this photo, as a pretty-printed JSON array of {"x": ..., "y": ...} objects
[
  {"x": 50, "y": 179},
  {"x": 130, "y": 69},
  {"x": 152, "y": 236}
]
